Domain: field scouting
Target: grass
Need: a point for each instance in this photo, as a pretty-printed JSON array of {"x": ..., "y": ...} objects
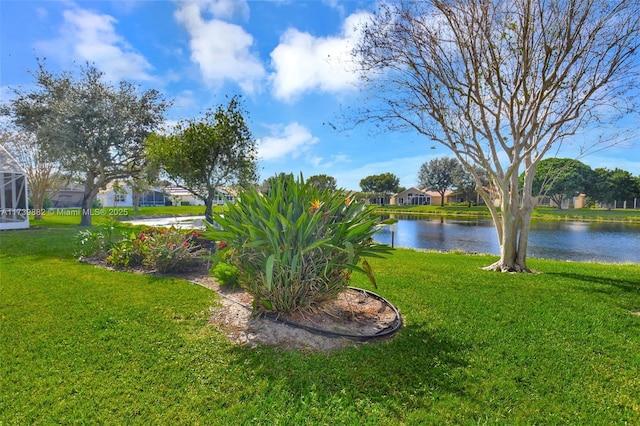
[
  {"x": 57, "y": 217},
  {"x": 85, "y": 345}
]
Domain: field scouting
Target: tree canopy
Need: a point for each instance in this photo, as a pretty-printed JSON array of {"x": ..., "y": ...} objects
[
  {"x": 385, "y": 183},
  {"x": 499, "y": 83},
  {"x": 323, "y": 182},
  {"x": 560, "y": 178},
  {"x": 206, "y": 154},
  {"x": 94, "y": 130},
  {"x": 439, "y": 175},
  {"x": 615, "y": 185}
]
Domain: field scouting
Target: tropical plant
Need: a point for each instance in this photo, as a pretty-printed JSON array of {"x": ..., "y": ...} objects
[
  {"x": 165, "y": 250},
  {"x": 126, "y": 253},
  {"x": 296, "y": 247}
]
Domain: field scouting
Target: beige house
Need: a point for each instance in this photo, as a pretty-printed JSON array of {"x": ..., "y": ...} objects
[{"x": 419, "y": 197}]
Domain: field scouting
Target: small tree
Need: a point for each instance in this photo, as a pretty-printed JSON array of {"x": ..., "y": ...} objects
[
  {"x": 206, "y": 154},
  {"x": 94, "y": 130},
  {"x": 465, "y": 183},
  {"x": 560, "y": 178},
  {"x": 439, "y": 175}
]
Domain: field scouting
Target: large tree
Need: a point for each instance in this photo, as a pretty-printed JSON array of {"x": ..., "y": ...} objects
[
  {"x": 499, "y": 83},
  {"x": 385, "y": 183},
  {"x": 561, "y": 178},
  {"x": 612, "y": 186},
  {"x": 203, "y": 155},
  {"x": 95, "y": 130},
  {"x": 43, "y": 174},
  {"x": 439, "y": 175},
  {"x": 323, "y": 182}
]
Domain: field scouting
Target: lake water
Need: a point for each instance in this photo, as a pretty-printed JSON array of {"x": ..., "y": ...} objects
[{"x": 577, "y": 241}]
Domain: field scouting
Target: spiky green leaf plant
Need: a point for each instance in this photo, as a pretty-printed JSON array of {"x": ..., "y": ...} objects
[{"x": 296, "y": 246}]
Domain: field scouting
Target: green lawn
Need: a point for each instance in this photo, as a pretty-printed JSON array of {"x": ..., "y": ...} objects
[{"x": 84, "y": 345}]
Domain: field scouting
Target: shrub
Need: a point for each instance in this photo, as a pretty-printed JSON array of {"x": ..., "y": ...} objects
[
  {"x": 126, "y": 253},
  {"x": 165, "y": 250},
  {"x": 90, "y": 242},
  {"x": 168, "y": 250},
  {"x": 296, "y": 247},
  {"x": 226, "y": 274}
]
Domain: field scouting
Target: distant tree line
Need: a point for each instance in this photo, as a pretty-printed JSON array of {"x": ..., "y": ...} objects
[{"x": 558, "y": 179}]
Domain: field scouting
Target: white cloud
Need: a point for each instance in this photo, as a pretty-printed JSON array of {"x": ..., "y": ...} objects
[
  {"x": 290, "y": 140},
  {"x": 92, "y": 37},
  {"x": 227, "y": 9},
  {"x": 321, "y": 162},
  {"x": 305, "y": 63},
  {"x": 221, "y": 50}
]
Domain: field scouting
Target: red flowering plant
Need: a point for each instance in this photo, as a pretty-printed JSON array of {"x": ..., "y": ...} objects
[
  {"x": 171, "y": 250},
  {"x": 164, "y": 250}
]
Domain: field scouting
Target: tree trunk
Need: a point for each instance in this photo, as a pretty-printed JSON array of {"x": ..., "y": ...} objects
[
  {"x": 87, "y": 204},
  {"x": 208, "y": 202},
  {"x": 136, "y": 201},
  {"x": 512, "y": 226}
]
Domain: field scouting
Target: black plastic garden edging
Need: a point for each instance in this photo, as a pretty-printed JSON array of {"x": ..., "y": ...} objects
[{"x": 357, "y": 337}]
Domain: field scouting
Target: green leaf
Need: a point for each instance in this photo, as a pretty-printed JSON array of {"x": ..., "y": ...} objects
[
  {"x": 369, "y": 272},
  {"x": 269, "y": 271}
]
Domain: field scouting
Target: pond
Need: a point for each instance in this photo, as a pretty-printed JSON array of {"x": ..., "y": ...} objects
[{"x": 576, "y": 241}]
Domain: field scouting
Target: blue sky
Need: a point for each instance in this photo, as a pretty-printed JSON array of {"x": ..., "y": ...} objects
[{"x": 289, "y": 59}]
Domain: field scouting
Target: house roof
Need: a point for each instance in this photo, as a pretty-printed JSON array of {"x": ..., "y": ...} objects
[{"x": 8, "y": 163}]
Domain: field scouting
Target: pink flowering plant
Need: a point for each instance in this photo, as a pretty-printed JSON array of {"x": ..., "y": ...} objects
[{"x": 295, "y": 247}]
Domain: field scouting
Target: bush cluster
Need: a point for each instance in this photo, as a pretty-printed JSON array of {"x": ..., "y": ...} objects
[{"x": 165, "y": 250}]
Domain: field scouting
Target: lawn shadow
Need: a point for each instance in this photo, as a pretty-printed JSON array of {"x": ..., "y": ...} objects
[
  {"x": 412, "y": 367},
  {"x": 622, "y": 284}
]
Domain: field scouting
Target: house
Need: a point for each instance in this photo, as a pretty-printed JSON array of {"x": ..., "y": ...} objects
[
  {"x": 14, "y": 207},
  {"x": 181, "y": 197},
  {"x": 121, "y": 195},
  {"x": 70, "y": 196},
  {"x": 421, "y": 197},
  {"x": 411, "y": 197},
  {"x": 577, "y": 202},
  {"x": 115, "y": 195}
]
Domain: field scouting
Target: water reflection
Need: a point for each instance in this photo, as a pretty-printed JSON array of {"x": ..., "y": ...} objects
[{"x": 578, "y": 241}]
